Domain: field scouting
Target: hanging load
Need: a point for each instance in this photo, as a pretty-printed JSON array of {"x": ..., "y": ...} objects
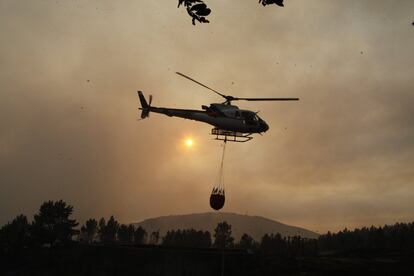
[{"x": 217, "y": 198}]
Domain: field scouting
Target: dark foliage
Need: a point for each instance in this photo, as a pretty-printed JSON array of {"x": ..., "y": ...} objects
[
  {"x": 387, "y": 250},
  {"x": 268, "y": 2},
  {"x": 288, "y": 247},
  {"x": 15, "y": 235},
  {"x": 112, "y": 232},
  {"x": 222, "y": 235},
  {"x": 89, "y": 231},
  {"x": 108, "y": 231},
  {"x": 247, "y": 242},
  {"x": 126, "y": 233},
  {"x": 53, "y": 224},
  {"x": 140, "y": 235},
  {"x": 188, "y": 238},
  {"x": 155, "y": 237},
  {"x": 397, "y": 236},
  {"x": 198, "y": 10},
  {"x": 101, "y": 229}
]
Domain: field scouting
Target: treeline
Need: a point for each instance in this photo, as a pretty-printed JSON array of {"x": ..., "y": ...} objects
[
  {"x": 50, "y": 226},
  {"x": 113, "y": 232},
  {"x": 53, "y": 226},
  {"x": 399, "y": 236}
]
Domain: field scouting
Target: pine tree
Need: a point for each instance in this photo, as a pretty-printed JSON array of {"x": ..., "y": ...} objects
[
  {"x": 53, "y": 224},
  {"x": 222, "y": 235}
]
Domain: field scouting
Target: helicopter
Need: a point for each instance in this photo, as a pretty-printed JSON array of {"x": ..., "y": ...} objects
[{"x": 230, "y": 123}]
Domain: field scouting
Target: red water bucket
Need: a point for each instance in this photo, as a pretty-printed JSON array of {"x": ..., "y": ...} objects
[{"x": 217, "y": 199}]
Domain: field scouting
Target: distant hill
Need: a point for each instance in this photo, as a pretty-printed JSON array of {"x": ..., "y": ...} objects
[{"x": 255, "y": 226}]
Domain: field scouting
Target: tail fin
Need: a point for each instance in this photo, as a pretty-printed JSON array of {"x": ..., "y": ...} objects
[{"x": 145, "y": 107}]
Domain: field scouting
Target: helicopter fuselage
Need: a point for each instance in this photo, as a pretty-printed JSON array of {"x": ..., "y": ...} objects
[
  {"x": 223, "y": 116},
  {"x": 243, "y": 121}
]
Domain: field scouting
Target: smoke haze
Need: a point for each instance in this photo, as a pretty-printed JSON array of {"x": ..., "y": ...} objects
[{"x": 340, "y": 157}]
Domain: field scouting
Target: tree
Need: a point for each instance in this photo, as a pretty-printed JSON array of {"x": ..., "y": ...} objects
[
  {"x": 397, "y": 236},
  {"x": 90, "y": 230},
  {"x": 140, "y": 235},
  {"x": 188, "y": 238},
  {"x": 108, "y": 232},
  {"x": 247, "y": 242},
  {"x": 53, "y": 223},
  {"x": 101, "y": 229},
  {"x": 155, "y": 237},
  {"x": 126, "y": 233},
  {"x": 222, "y": 235},
  {"x": 15, "y": 235},
  {"x": 275, "y": 244}
]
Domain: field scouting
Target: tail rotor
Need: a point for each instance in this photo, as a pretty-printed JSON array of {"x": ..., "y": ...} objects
[{"x": 145, "y": 107}]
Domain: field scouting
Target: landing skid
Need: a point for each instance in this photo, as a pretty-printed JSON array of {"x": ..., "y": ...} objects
[{"x": 231, "y": 136}]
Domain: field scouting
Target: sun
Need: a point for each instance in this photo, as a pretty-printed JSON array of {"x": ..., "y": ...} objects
[{"x": 189, "y": 142}]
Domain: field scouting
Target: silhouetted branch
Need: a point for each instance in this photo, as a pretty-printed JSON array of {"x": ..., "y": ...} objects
[{"x": 198, "y": 10}]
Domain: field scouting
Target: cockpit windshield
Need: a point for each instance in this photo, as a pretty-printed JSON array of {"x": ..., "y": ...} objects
[{"x": 250, "y": 116}]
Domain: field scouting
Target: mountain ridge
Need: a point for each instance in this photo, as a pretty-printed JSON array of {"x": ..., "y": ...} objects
[{"x": 255, "y": 226}]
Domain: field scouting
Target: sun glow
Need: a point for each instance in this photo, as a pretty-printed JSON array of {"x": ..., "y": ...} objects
[{"x": 189, "y": 142}]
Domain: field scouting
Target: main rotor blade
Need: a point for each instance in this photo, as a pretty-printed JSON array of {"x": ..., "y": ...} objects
[
  {"x": 267, "y": 99},
  {"x": 199, "y": 83}
]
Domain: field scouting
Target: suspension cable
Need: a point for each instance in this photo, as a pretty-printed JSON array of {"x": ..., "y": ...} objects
[{"x": 221, "y": 170}]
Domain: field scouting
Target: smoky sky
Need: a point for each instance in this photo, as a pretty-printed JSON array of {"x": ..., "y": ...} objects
[{"x": 340, "y": 157}]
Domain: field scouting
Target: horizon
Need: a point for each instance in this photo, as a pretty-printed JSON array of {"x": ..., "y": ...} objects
[
  {"x": 228, "y": 213},
  {"x": 339, "y": 158}
]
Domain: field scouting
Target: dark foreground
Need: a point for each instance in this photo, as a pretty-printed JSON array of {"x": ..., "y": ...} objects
[{"x": 154, "y": 260}]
